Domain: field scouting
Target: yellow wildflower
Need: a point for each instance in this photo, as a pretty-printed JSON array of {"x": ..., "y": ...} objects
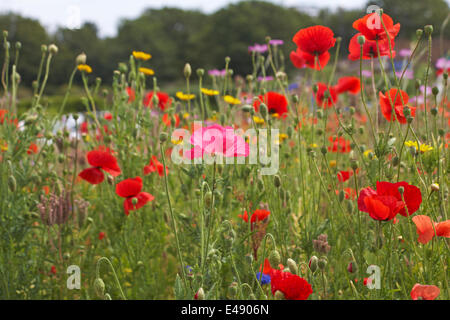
[
  {"x": 127, "y": 270},
  {"x": 332, "y": 163},
  {"x": 275, "y": 115},
  {"x": 422, "y": 147},
  {"x": 213, "y": 118},
  {"x": 231, "y": 100},
  {"x": 313, "y": 145},
  {"x": 258, "y": 120},
  {"x": 369, "y": 151},
  {"x": 210, "y": 92},
  {"x": 177, "y": 141},
  {"x": 147, "y": 71},
  {"x": 141, "y": 55},
  {"x": 85, "y": 68},
  {"x": 3, "y": 146},
  {"x": 185, "y": 115},
  {"x": 282, "y": 137},
  {"x": 185, "y": 97}
]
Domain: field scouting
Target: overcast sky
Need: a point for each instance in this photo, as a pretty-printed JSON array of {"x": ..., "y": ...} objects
[{"x": 107, "y": 13}]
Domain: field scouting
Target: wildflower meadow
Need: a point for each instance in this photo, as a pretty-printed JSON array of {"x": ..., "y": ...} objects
[{"x": 301, "y": 180}]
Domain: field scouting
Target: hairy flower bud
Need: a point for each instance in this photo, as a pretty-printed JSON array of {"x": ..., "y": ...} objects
[{"x": 187, "y": 70}]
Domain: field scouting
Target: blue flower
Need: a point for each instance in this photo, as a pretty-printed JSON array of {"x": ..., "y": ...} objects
[{"x": 265, "y": 278}]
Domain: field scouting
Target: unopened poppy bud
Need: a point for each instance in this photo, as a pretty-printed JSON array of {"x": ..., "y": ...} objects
[
  {"x": 435, "y": 91},
  {"x": 315, "y": 88},
  {"x": 277, "y": 181},
  {"x": 53, "y": 49},
  {"x": 18, "y": 45},
  {"x": 319, "y": 114},
  {"x": 441, "y": 132},
  {"x": 99, "y": 287},
  {"x": 163, "y": 137},
  {"x": 232, "y": 289},
  {"x": 419, "y": 33},
  {"x": 200, "y": 72},
  {"x": 274, "y": 258},
  {"x": 434, "y": 187},
  {"x": 445, "y": 75},
  {"x": 361, "y": 130},
  {"x": 319, "y": 131},
  {"x": 428, "y": 29},
  {"x": 395, "y": 161},
  {"x": 187, "y": 70},
  {"x": 44, "y": 48},
  {"x": 81, "y": 58},
  {"x": 341, "y": 195},
  {"x": 322, "y": 263},
  {"x": 354, "y": 164},
  {"x": 208, "y": 198},
  {"x": 249, "y": 78},
  {"x": 279, "y": 295},
  {"x": 418, "y": 83},
  {"x": 292, "y": 266},
  {"x": 247, "y": 108},
  {"x": 352, "y": 267},
  {"x": 295, "y": 98},
  {"x": 260, "y": 184},
  {"x": 263, "y": 110},
  {"x": 434, "y": 111},
  {"x": 12, "y": 183},
  {"x": 409, "y": 119},
  {"x": 324, "y": 150},
  {"x": 290, "y": 131},
  {"x": 227, "y": 59},
  {"x": 361, "y": 40},
  {"x": 200, "y": 295},
  {"x": 313, "y": 263}
]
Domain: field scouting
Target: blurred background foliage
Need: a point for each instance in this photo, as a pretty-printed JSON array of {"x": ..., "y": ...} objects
[{"x": 175, "y": 36}]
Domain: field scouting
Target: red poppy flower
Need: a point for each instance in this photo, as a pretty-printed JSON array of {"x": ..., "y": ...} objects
[
  {"x": 258, "y": 215},
  {"x": 393, "y": 100},
  {"x": 166, "y": 120},
  {"x": 348, "y": 84},
  {"x": 101, "y": 235},
  {"x": 385, "y": 202},
  {"x": 297, "y": 59},
  {"x": 53, "y": 270},
  {"x": 426, "y": 227},
  {"x": 155, "y": 165},
  {"x": 84, "y": 128},
  {"x": 164, "y": 100},
  {"x": 33, "y": 148},
  {"x": 372, "y": 28},
  {"x": 131, "y": 189},
  {"x": 424, "y": 292},
  {"x": 276, "y": 103},
  {"x": 315, "y": 41},
  {"x": 369, "y": 48},
  {"x": 4, "y": 117},
  {"x": 267, "y": 268},
  {"x": 131, "y": 94},
  {"x": 108, "y": 116},
  {"x": 344, "y": 175},
  {"x": 292, "y": 286},
  {"x": 339, "y": 144},
  {"x": 320, "y": 95},
  {"x": 100, "y": 159}
]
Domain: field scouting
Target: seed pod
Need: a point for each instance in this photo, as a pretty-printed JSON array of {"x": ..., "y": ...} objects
[
  {"x": 277, "y": 181},
  {"x": 99, "y": 287},
  {"x": 274, "y": 258},
  {"x": 292, "y": 266},
  {"x": 322, "y": 263},
  {"x": 313, "y": 263},
  {"x": 12, "y": 183}
]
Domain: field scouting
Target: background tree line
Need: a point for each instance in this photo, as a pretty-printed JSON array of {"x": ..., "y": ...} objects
[{"x": 174, "y": 36}]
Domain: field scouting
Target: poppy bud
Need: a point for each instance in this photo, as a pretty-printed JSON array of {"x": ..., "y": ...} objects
[
  {"x": 247, "y": 108},
  {"x": 260, "y": 184},
  {"x": 274, "y": 258},
  {"x": 435, "y": 91},
  {"x": 187, "y": 70},
  {"x": 434, "y": 187},
  {"x": 208, "y": 198},
  {"x": 232, "y": 289},
  {"x": 44, "y": 48},
  {"x": 434, "y": 111},
  {"x": 279, "y": 295},
  {"x": 406, "y": 111},
  {"x": 295, "y": 98},
  {"x": 227, "y": 59},
  {"x": 341, "y": 195},
  {"x": 323, "y": 149},
  {"x": 200, "y": 295},
  {"x": 290, "y": 131},
  {"x": 53, "y": 49},
  {"x": 200, "y": 72},
  {"x": 395, "y": 161},
  {"x": 313, "y": 262},
  {"x": 163, "y": 137},
  {"x": 292, "y": 266},
  {"x": 263, "y": 110},
  {"x": 99, "y": 287},
  {"x": 322, "y": 263},
  {"x": 319, "y": 131},
  {"x": 445, "y": 75},
  {"x": 441, "y": 132},
  {"x": 249, "y": 78},
  {"x": 12, "y": 183},
  {"x": 419, "y": 33},
  {"x": 354, "y": 164},
  {"x": 81, "y": 59},
  {"x": 277, "y": 181},
  {"x": 428, "y": 29},
  {"x": 18, "y": 45},
  {"x": 352, "y": 267},
  {"x": 409, "y": 119},
  {"x": 361, "y": 40}
]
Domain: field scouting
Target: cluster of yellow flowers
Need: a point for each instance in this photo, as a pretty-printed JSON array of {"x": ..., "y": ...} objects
[
  {"x": 209, "y": 92},
  {"x": 422, "y": 147}
]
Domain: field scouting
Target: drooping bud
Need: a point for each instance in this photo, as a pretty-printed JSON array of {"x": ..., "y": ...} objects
[
  {"x": 274, "y": 258},
  {"x": 99, "y": 287},
  {"x": 313, "y": 263},
  {"x": 292, "y": 266}
]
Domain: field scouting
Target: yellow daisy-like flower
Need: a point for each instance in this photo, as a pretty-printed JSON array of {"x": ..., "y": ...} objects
[
  {"x": 209, "y": 92},
  {"x": 3, "y": 146},
  {"x": 282, "y": 137},
  {"x": 177, "y": 141},
  {"x": 258, "y": 120},
  {"x": 313, "y": 145},
  {"x": 185, "y": 97},
  {"x": 422, "y": 147},
  {"x": 369, "y": 151},
  {"x": 141, "y": 55},
  {"x": 147, "y": 71},
  {"x": 127, "y": 270},
  {"x": 84, "y": 68},
  {"x": 332, "y": 163},
  {"x": 231, "y": 100},
  {"x": 275, "y": 115},
  {"x": 185, "y": 115}
]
